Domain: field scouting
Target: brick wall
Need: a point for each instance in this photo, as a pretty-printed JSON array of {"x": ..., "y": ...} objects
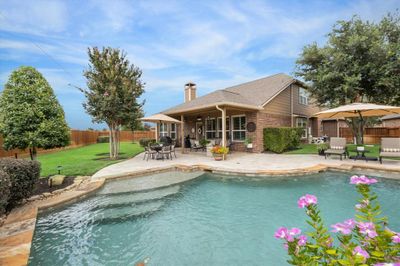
[{"x": 263, "y": 120}]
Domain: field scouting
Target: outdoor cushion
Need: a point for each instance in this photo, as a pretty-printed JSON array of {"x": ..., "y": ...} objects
[
  {"x": 197, "y": 143},
  {"x": 389, "y": 154},
  {"x": 390, "y": 150},
  {"x": 335, "y": 151},
  {"x": 336, "y": 147}
]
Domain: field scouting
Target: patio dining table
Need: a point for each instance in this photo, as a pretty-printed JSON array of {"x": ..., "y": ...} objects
[{"x": 157, "y": 148}]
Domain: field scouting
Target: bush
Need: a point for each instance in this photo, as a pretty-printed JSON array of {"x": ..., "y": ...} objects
[
  {"x": 363, "y": 240},
  {"x": 103, "y": 139},
  {"x": 280, "y": 139},
  {"x": 145, "y": 142},
  {"x": 23, "y": 175},
  {"x": 5, "y": 186}
]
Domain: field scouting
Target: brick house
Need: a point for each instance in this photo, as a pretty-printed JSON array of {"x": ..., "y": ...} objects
[
  {"x": 391, "y": 121},
  {"x": 243, "y": 111}
]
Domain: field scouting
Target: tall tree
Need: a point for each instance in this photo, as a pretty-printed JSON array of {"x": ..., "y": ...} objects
[
  {"x": 114, "y": 86},
  {"x": 30, "y": 115},
  {"x": 359, "y": 63}
]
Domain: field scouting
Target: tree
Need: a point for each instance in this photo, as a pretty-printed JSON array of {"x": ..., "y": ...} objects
[
  {"x": 114, "y": 86},
  {"x": 30, "y": 115},
  {"x": 359, "y": 63}
]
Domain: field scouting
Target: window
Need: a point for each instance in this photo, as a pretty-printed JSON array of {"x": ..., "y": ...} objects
[
  {"x": 163, "y": 130},
  {"x": 173, "y": 131},
  {"x": 302, "y": 122},
  {"x": 219, "y": 128},
  {"x": 239, "y": 127},
  {"x": 303, "y": 96},
  {"x": 211, "y": 128}
]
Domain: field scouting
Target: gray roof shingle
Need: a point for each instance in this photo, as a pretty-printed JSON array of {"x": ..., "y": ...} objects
[{"x": 254, "y": 93}]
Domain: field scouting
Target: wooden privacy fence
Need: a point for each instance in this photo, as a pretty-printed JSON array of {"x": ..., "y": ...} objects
[
  {"x": 372, "y": 135},
  {"x": 81, "y": 138}
]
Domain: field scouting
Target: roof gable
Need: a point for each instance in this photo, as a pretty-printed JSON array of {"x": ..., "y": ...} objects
[{"x": 254, "y": 93}]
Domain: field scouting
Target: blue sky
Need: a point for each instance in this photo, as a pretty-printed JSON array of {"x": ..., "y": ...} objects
[{"x": 213, "y": 43}]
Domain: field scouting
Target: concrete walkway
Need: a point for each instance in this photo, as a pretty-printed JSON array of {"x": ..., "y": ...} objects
[{"x": 237, "y": 162}]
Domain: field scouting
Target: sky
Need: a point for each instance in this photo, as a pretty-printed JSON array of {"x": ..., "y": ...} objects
[{"x": 213, "y": 43}]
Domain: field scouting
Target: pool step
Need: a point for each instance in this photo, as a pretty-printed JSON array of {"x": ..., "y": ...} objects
[
  {"x": 124, "y": 199},
  {"x": 117, "y": 215}
]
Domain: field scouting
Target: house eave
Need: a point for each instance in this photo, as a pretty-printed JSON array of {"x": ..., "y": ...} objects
[{"x": 213, "y": 105}]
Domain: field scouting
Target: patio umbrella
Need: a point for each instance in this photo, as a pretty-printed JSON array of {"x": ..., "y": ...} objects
[
  {"x": 360, "y": 110},
  {"x": 160, "y": 118}
]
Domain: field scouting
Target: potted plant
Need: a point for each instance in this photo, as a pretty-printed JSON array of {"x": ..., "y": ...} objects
[
  {"x": 203, "y": 142},
  {"x": 249, "y": 143},
  {"x": 219, "y": 152},
  {"x": 322, "y": 147}
]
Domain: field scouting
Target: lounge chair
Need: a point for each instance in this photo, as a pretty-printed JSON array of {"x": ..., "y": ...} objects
[
  {"x": 390, "y": 147},
  {"x": 337, "y": 146}
]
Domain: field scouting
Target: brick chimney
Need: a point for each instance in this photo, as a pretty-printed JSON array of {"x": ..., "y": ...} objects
[{"x": 190, "y": 91}]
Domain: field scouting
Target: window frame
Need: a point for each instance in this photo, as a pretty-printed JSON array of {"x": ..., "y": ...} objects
[
  {"x": 305, "y": 126},
  {"x": 233, "y": 130},
  {"x": 219, "y": 130},
  {"x": 163, "y": 130},
  {"x": 303, "y": 96},
  {"x": 172, "y": 131},
  {"x": 213, "y": 130}
]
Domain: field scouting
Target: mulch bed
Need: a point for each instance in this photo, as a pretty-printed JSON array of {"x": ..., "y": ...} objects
[{"x": 42, "y": 185}]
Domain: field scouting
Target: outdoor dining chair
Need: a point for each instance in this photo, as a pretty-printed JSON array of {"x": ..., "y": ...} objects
[
  {"x": 148, "y": 152},
  {"x": 166, "y": 152}
]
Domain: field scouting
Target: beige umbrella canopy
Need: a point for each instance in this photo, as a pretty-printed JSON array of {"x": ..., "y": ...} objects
[
  {"x": 359, "y": 110},
  {"x": 160, "y": 118}
]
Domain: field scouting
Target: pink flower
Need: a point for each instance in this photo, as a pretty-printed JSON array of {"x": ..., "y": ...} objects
[
  {"x": 307, "y": 200},
  {"x": 362, "y": 180},
  {"x": 367, "y": 228},
  {"x": 387, "y": 264},
  {"x": 302, "y": 240},
  {"x": 284, "y": 233},
  {"x": 345, "y": 228},
  {"x": 359, "y": 251},
  {"x": 396, "y": 238},
  {"x": 281, "y": 233}
]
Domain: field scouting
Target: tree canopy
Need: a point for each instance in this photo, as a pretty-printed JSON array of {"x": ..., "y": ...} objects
[
  {"x": 30, "y": 115},
  {"x": 360, "y": 62},
  {"x": 114, "y": 86}
]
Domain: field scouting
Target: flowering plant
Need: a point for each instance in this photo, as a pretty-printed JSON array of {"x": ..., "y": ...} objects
[
  {"x": 365, "y": 240},
  {"x": 219, "y": 150}
]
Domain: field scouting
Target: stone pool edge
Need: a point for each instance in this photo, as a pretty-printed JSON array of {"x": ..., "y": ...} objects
[{"x": 16, "y": 233}]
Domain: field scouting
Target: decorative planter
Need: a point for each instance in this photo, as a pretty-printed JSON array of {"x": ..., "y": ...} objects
[{"x": 218, "y": 156}]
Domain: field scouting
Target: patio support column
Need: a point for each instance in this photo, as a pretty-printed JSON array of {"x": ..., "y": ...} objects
[
  {"x": 224, "y": 127},
  {"x": 156, "y": 131},
  {"x": 182, "y": 134}
]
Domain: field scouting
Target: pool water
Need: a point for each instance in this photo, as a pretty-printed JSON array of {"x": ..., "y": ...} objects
[{"x": 212, "y": 220}]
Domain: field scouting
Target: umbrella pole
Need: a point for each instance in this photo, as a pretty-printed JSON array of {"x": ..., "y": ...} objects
[{"x": 361, "y": 127}]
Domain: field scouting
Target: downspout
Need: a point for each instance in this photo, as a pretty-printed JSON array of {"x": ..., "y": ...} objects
[
  {"x": 223, "y": 111},
  {"x": 291, "y": 106}
]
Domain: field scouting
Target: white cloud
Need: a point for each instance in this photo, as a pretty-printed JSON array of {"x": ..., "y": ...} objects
[{"x": 35, "y": 17}]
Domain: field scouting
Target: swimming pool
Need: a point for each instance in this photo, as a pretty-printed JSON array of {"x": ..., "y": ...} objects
[{"x": 211, "y": 220}]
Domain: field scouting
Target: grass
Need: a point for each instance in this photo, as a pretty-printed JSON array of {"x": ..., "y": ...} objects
[
  {"x": 84, "y": 160},
  {"x": 312, "y": 149}
]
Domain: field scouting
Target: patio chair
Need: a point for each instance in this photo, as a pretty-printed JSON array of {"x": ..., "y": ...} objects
[
  {"x": 148, "y": 152},
  {"x": 166, "y": 152},
  {"x": 173, "y": 150},
  {"x": 195, "y": 145},
  {"x": 390, "y": 147},
  {"x": 337, "y": 146}
]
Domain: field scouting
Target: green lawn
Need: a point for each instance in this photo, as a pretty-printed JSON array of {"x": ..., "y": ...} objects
[
  {"x": 84, "y": 160},
  {"x": 312, "y": 149}
]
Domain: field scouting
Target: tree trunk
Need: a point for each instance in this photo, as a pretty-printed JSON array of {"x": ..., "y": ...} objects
[
  {"x": 34, "y": 154},
  {"x": 357, "y": 128}
]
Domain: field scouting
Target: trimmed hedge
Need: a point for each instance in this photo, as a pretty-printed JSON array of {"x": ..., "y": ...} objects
[
  {"x": 145, "y": 142},
  {"x": 5, "y": 187},
  {"x": 23, "y": 175},
  {"x": 280, "y": 139},
  {"x": 103, "y": 139}
]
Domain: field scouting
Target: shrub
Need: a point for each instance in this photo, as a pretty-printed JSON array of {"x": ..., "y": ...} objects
[
  {"x": 280, "y": 139},
  {"x": 23, "y": 175},
  {"x": 145, "y": 142},
  {"x": 363, "y": 240},
  {"x": 103, "y": 139},
  {"x": 5, "y": 186}
]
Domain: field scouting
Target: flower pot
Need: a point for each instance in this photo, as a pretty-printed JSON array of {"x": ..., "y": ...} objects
[{"x": 218, "y": 157}]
